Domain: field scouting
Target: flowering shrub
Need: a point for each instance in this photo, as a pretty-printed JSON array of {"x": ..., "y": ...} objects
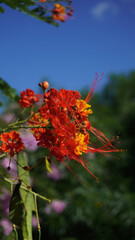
[{"x": 57, "y": 121}]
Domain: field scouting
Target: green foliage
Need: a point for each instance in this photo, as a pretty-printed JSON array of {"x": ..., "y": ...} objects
[
  {"x": 13, "y": 235},
  {"x": 8, "y": 91}
]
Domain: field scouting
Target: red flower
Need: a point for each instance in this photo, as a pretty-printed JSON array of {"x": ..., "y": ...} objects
[
  {"x": 28, "y": 98},
  {"x": 11, "y": 143},
  {"x": 65, "y": 128}
]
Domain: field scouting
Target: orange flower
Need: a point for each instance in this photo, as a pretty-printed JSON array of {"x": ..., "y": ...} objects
[
  {"x": 11, "y": 143},
  {"x": 59, "y": 12}
]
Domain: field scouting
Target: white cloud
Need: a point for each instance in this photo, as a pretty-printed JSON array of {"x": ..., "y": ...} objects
[{"x": 104, "y": 9}]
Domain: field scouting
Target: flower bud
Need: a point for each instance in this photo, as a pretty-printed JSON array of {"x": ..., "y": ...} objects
[
  {"x": 45, "y": 85},
  {"x": 27, "y": 168}
]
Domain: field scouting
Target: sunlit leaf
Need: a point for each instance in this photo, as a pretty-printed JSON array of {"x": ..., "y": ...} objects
[
  {"x": 26, "y": 196},
  {"x": 48, "y": 165}
]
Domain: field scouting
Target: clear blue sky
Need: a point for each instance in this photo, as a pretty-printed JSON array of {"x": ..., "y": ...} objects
[{"x": 100, "y": 37}]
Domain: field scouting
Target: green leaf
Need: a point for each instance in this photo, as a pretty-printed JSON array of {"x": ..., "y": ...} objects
[
  {"x": 27, "y": 197},
  {"x": 25, "y": 177},
  {"x": 27, "y": 224},
  {"x": 8, "y": 91},
  {"x": 16, "y": 208},
  {"x": 48, "y": 165},
  {"x": 22, "y": 173},
  {"x": 12, "y": 235}
]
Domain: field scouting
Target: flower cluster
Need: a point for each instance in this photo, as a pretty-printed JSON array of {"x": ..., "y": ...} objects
[
  {"x": 11, "y": 143},
  {"x": 64, "y": 121},
  {"x": 60, "y": 12},
  {"x": 28, "y": 98}
]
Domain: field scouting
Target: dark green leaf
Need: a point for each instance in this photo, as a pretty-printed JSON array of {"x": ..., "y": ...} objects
[
  {"x": 12, "y": 235},
  {"x": 16, "y": 208},
  {"x": 8, "y": 91},
  {"x": 1, "y": 9}
]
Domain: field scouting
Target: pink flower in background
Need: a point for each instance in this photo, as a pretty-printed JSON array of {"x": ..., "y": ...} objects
[
  {"x": 5, "y": 200},
  {"x": 29, "y": 141},
  {"x": 56, "y": 173},
  {"x": 56, "y": 205},
  {"x": 13, "y": 167},
  {"x": 6, "y": 225},
  {"x": 34, "y": 221},
  {"x": 48, "y": 209},
  {"x": 8, "y": 117}
]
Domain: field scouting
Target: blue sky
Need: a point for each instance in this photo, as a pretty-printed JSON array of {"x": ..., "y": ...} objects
[{"x": 100, "y": 37}]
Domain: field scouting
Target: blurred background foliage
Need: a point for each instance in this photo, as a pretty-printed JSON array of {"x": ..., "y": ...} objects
[{"x": 81, "y": 208}]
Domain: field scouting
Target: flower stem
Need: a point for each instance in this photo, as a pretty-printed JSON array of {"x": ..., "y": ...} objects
[{"x": 28, "y": 190}]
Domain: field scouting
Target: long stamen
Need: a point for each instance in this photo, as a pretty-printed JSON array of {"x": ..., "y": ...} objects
[{"x": 95, "y": 84}]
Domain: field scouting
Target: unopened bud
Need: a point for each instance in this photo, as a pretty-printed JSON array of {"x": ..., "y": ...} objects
[
  {"x": 45, "y": 85},
  {"x": 27, "y": 168}
]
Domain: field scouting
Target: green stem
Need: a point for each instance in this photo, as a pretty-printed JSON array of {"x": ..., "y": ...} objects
[
  {"x": 16, "y": 233},
  {"x": 39, "y": 234},
  {"x": 3, "y": 155},
  {"x": 28, "y": 190},
  {"x": 35, "y": 199},
  {"x": 20, "y": 127}
]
